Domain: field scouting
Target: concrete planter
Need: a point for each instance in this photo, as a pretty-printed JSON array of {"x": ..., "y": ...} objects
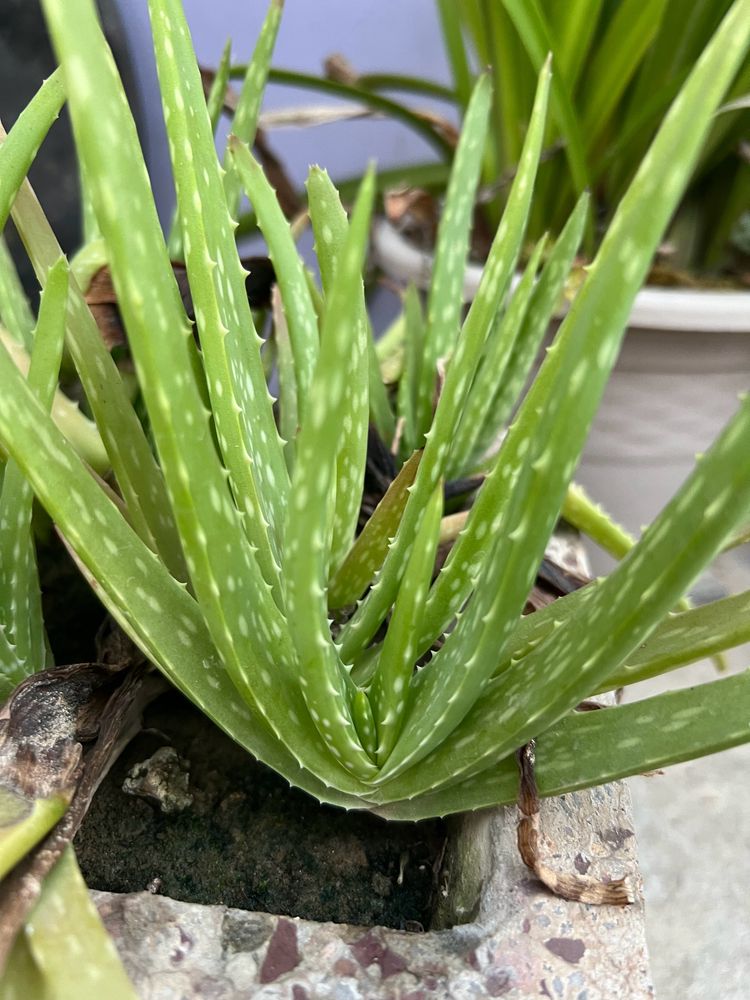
[
  {"x": 503, "y": 934},
  {"x": 685, "y": 358},
  {"x": 521, "y": 943}
]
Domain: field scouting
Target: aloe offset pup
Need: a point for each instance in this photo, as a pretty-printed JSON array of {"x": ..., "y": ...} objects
[{"x": 222, "y": 552}]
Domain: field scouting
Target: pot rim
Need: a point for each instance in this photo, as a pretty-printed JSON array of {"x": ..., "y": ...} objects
[{"x": 708, "y": 311}]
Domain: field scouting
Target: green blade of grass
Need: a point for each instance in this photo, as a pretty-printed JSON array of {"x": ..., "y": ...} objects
[
  {"x": 361, "y": 95},
  {"x": 535, "y": 36},
  {"x": 618, "y": 54},
  {"x": 450, "y": 25},
  {"x": 573, "y": 31},
  {"x": 513, "y": 90}
]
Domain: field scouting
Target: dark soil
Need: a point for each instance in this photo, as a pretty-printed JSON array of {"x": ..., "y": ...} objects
[
  {"x": 247, "y": 840},
  {"x": 72, "y": 612}
]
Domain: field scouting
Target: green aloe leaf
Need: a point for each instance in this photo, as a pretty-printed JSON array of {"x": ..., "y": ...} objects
[
  {"x": 245, "y": 119},
  {"x": 493, "y": 287},
  {"x": 685, "y": 637},
  {"x": 214, "y": 105},
  {"x": 20, "y": 146},
  {"x": 451, "y": 253},
  {"x": 288, "y": 410},
  {"x": 545, "y": 440},
  {"x": 370, "y": 547},
  {"x": 25, "y": 821},
  {"x": 326, "y": 685},
  {"x": 586, "y": 515},
  {"x": 591, "y": 748},
  {"x": 545, "y": 298},
  {"x": 153, "y": 608},
  {"x": 577, "y": 658},
  {"x": 408, "y": 384},
  {"x": 497, "y": 353},
  {"x": 241, "y": 405},
  {"x": 76, "y": 426},
  {"x": 15, "y": 313},
  {"x": 290, "y": 271},
  {"x": 126, "y": 444},
  {"x": 381, "y": 413},
  {"x": 218, "y": 90},
  {"x": 391, "y": 682},
  {"x": 20, "y": 596},
  {"x": 330, "y": 227},
  {"x": 249, "y": 631},
  {"x": 65, "y": 924}
]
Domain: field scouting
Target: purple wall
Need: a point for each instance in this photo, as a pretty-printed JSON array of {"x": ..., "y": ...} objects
[{"x": 373, "y": 34}]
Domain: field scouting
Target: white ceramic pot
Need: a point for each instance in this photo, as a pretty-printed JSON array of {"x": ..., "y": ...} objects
[{"x": 684, "y": 360}]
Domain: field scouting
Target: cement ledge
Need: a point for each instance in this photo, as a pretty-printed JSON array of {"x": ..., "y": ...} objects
[{"x": 522, "y": 943}]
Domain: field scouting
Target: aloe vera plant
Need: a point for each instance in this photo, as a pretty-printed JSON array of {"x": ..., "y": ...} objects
[{"x": 231, "y": 555}]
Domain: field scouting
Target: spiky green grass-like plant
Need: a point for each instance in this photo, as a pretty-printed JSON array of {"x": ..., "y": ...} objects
[{"x": 232, "y": 548}]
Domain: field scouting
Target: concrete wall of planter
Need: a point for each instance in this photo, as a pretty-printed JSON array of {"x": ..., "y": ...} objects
[
  {"x": 523, "y": 943},
  {"x": 684, "y": 360}
]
